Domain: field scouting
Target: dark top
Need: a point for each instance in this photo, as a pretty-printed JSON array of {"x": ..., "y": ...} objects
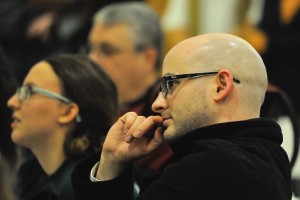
[
  {"x": 236, "y": 160},
  {"x": 34, "y": 184}
]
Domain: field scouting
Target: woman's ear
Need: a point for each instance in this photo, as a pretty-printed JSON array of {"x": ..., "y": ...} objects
[
  {"x": 224, "y": 85},
  {"x": 70, "y": 113}
]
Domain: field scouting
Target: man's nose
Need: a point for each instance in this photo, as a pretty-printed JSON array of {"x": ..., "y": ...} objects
[{"x": 159, "y": 104}]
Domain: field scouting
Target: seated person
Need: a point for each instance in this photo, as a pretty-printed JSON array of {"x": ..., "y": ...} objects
[
  {"x": 212, "y": 90},
  {"x": 61, "y": 113}
]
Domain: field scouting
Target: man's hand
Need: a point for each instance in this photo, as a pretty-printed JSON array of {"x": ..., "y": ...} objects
[{"x": 129, "y": 139}]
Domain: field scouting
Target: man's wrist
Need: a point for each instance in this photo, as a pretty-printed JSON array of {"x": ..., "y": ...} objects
[{"x": 94, "y": 172}]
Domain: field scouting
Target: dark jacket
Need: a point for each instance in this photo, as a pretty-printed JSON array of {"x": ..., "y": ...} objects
[{"x": 236, "y": 160}]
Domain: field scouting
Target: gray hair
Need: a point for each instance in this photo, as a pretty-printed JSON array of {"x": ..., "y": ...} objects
[{"x": 144, "y": 22}]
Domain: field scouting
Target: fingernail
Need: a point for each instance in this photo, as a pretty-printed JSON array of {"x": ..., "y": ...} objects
[{"x": 128, "y": 138}]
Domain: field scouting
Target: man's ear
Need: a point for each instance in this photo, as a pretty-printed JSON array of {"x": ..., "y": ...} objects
[
  {"x": 224, "y": 85},
  {"x": 69, "y": 114},
  {"x": 151, "y": 54}
]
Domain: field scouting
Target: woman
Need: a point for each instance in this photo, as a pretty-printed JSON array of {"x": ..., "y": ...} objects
[{"x": 61, "y": 113}]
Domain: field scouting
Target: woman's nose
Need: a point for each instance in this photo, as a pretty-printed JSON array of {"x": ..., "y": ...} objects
[{"x": 13, "y": 102}]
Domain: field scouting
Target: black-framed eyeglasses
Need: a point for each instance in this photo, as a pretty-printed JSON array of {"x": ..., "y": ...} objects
[
  {"x": 25, "y": 91},
  {"x": 166, "y": 82}
]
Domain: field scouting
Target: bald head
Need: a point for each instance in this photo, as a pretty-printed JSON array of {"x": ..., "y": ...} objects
[{"x": 220, "y": 51}]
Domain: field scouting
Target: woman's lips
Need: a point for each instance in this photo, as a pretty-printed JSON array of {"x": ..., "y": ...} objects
[{"x": 15, "y": 121}]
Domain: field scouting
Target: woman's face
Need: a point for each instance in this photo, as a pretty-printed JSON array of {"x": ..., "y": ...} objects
[{"x": 35, "y": 119}]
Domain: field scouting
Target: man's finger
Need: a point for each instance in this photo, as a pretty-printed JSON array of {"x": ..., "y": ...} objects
[
  {"x": 147, "y": 126},
  {"x": 128, "y": 120}
]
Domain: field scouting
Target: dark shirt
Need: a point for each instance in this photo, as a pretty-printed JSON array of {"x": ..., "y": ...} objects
[
  {"x": 235, "y": 160},
  {"x": 34, "y": 184}
]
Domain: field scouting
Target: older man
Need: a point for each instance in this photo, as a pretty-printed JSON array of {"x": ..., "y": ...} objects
[{"x": 126, "y": 40}]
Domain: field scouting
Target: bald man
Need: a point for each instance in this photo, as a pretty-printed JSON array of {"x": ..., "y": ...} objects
[{"x": 212, "y": 89}]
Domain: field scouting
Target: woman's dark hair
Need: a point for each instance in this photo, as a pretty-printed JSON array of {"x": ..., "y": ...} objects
[
  {"x": 87, "y": 85},
  {"x": 8, "y": 86}
]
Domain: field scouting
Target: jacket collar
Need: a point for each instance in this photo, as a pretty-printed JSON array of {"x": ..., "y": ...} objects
[{"x": 262, "y": 128}]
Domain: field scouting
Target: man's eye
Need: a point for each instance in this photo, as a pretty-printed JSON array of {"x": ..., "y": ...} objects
[
  {"x": 109, "y": 51},
  {"x": 172, "y": 84}
]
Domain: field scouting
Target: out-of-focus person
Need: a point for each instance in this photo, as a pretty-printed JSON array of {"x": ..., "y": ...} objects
[{"x": 126, "y": 39}]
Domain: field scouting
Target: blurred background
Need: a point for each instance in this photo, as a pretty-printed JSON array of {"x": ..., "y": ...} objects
[{"x": 33, "y": 29}]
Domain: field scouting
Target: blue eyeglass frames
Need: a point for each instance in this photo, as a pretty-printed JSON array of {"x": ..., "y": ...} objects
[
  {"x": 25, "y": 91},
  {"x": 166, "y": 82}
]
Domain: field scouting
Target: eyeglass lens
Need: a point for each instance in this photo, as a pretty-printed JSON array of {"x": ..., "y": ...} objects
[{"x": 22, "y": 92}]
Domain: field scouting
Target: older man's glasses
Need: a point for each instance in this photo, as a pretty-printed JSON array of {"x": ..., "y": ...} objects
[
  {"x": 167, "y": 82},
  {"x": 25, "y": 92}
]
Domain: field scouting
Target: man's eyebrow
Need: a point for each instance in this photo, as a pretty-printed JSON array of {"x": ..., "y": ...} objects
[
  {"x": 169, "y": 74},
  {"x": 105, "y": 44}
]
